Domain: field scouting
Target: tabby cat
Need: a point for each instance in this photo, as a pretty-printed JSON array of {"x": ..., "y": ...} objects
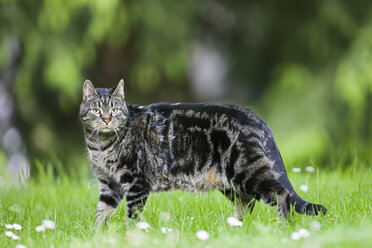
[{"x": 135, "y": 150}]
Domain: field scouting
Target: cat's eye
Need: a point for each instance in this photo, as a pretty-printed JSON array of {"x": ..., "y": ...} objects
[
  {"x": 114, "y": 111},
  {"x": 96, "y": 111}
]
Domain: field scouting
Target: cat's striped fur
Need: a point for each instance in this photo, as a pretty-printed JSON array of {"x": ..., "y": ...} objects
[{"x": 136, "y": 150}]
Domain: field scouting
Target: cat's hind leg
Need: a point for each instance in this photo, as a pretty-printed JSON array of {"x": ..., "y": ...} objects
[
  {"x": 270, "y": 191},
  {"x": 263, "y": 185},
  {"x": 243, "y": 203}
]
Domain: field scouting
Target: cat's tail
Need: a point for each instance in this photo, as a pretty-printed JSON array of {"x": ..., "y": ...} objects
[
  {"x": 300, "y": 205},
  {"x": 303, "y": 207}
]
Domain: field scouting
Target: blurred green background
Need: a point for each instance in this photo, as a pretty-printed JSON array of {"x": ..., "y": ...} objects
[{"x": 304, "y": 66}]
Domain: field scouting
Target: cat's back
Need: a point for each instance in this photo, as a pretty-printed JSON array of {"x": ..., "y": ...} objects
[
  {"x": 210, "y": 124},
  {"x": 208, "y": 115}
]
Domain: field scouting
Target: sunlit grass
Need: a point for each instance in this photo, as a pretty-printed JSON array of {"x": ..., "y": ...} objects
[{"x": 71, "y": 205}]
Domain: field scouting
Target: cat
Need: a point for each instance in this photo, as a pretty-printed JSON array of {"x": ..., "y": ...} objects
[{"x": 135, "y": 150}]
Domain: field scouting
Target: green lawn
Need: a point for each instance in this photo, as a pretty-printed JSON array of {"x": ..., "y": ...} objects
[{"x": 71, "y": 203}]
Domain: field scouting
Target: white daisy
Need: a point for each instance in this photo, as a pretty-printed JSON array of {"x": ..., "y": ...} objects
[
  {"x": 17, "y": 226},
  {"x": 232, "y": 221},
  {"x": 315, "y": 225},
  {"x": 310, "y": 169},
  {"x": 9, "y": 234},
  {"x": 40, "y": 228},
  {"x": 20, "y": 246},
  {"x": 15, "y": 237},
  {"x": 143, "y": 225},
  {"x": 9, "y": 226},
  {"x": 304, "y": 188},
  {"x": 202, "y": 235},
  {"x": 297, "y": 170},
  {"x": 304, "y": 233},
  {"x": 295, "y": 236},
  {"x": 165, "y": 216},
  {"x": 49, "y": 224}
]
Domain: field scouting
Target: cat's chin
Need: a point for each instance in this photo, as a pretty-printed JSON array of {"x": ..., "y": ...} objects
[{"x": 106, "y": 130}]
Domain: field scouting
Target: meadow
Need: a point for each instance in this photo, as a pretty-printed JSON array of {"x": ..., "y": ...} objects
[
  {"x": 303, "y": 66},
  {"x": 176, "y": 217}
]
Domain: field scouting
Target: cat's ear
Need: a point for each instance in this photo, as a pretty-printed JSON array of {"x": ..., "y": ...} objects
[
  {"x": 88, "y": 91},
  {"x": 119, "y": 90}
]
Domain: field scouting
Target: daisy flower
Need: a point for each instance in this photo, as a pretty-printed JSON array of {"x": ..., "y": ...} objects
[
  {"x": 49, "y": 224},
  {"x": 304, "y": 188},
  {"x": 143, "y": 225},
  {"x": 202, "y": 235},
  {"x": 232, "y": 221},
  {"x": 17, "y": 226}
]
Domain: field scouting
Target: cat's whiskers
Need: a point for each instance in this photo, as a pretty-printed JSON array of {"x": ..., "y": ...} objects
[
  {"x": 121, "y": 132},
  {"x": 117, "y": 135},
  {"x": 94, "y": 130},
  {"x": 97, "y": 134}
]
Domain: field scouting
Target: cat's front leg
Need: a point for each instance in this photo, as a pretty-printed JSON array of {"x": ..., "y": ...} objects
[
  {"x": 136, "y": 198},
  {"x": 109, "y": 199},
  {"x": 104, "y": 212}
]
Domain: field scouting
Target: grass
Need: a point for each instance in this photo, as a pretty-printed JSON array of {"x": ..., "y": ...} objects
[{"x": 71, "y": 204}]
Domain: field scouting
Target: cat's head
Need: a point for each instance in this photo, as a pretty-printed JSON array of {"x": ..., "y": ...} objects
[{"x": 104, "y": 110}]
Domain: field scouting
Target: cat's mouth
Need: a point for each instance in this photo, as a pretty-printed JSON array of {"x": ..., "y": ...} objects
[{"x": 106, "y": 130}]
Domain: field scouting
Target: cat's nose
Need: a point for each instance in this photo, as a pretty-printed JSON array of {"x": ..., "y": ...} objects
[{"x": 106, "y": 120}]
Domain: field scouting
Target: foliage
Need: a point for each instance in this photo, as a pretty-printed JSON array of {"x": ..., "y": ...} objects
[{"x": 303, "y": 66}]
